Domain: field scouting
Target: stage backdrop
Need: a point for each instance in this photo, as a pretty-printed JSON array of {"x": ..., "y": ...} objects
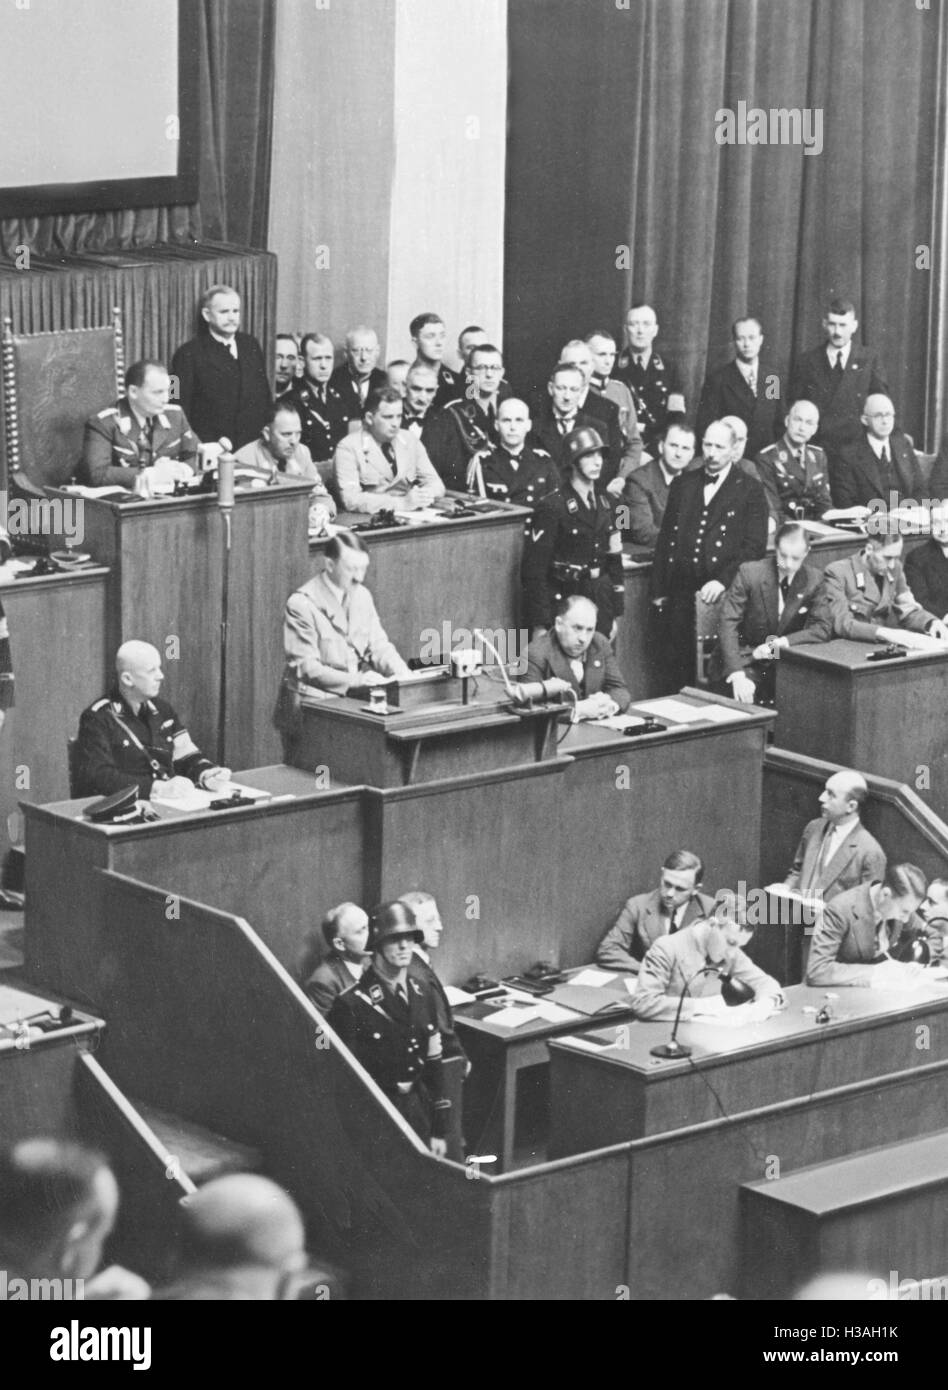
[
  {"x": 618, "y": 191},
  {"x": 387, "y": 188}
]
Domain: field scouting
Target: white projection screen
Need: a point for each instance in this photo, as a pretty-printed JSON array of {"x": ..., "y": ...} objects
[{"x": 99, "y": 104}]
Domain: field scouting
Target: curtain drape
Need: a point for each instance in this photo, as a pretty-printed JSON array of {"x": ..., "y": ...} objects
[
  {"x": 236, "y": 114},
  {"x": 612, "y": 144}
]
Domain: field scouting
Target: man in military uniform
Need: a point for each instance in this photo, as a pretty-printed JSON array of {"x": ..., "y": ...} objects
[
  {"x": 389, "y": 1021},
  {"x": 429, "y": 335},
  {"x": 794, "y": 472},
  {"x": 513, "y": 471},
  {"x": 573, "y": 545},
  {"x": 124, "y": 442},
  {"x": 320, "y": 404},
  {"x": 131, "y": 736},
  {"x": 468, "y": 423},
  {"x": 865, "y": 598},
  {"x": 654, "y": 379},
  {"x": 715, "y": 519}
]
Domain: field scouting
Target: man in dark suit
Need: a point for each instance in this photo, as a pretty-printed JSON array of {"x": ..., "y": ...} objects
[
  {"x": 359, "y": 374},
  {"x": 575, "y": 652},
  {"x": 625, "y": 447},
  {"x": 836, "y": 851},
  {"x": 123, "y": 443},
  {"x": 926, "y": 569},
  {"x": 429, "y": 335},
  {"x": 880, "y": 464},
  {"x": 221, "y": 374},
  {"x": 763, "y": 612},
  {"x": 743, "y": 388},
  {"x": 344, "y": 933},
  {"x": 837, "y": 377},
  {"x": 557, "y": 414},
  {"x": 653, "y": 378},
  {"x": 860, "y": 929},
  {"x": 646, "y": 490},
  {"x": 715, "y": 520},
  {"x": 674, "y": 904}
]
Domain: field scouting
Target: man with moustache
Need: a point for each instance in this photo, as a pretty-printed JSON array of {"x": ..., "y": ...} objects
[
  {"x": 557, "y": 414},
  {"x": 837, "y": 377}
]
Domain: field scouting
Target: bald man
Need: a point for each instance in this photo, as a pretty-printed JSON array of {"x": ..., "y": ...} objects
[
  {"x": 133, "y": 737},
  {"x": 836, "y": 852},
  {"x": 881, "y": 463},
  {"x": 241, "y": 1238}
]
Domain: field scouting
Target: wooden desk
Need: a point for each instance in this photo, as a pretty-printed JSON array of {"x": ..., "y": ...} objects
[
  {"x": 886, "y": 717},
  {"x": 434, "y": 583},
  {"x": 605, "y": 1094},
  {"x": 165, "y": 558},
  {"x": 499, "y": 1053},
  {"x": 427, "y": 743},
  {"x": 57, "y": 637}
]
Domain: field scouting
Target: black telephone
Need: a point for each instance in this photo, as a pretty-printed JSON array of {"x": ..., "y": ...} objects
[{"x": 890, "y": 652}]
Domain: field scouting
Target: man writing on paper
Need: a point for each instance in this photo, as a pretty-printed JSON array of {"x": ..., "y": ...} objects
[
  {"x": 673, "y": 966},
  {"x": 647, "y": 917},
  {"x": 132, "y": 736},
  {"x": 381, "y": 465},
  {"x": 576, "y": 653},
  {"x": 862, "y": 931}
]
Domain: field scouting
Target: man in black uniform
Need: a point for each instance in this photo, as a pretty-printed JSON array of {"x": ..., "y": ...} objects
[
  {"x": 133, "y": 737},
  {"x": 514, "y": 471},
  {"x": 714, "y": 521},
  {"x": 429, "y": 335},
  {"x": 389, "y": 1021},
  {"x": 468, "y": 423},
  {"x": 573, "y": 545},
  {"x": 359, "y": 374},
  {"x": 653, "y": 378},
  {"x": 320, "y": 404}
]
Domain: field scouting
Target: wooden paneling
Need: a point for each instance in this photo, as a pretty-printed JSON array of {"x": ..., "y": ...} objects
[{"x": 57, "y": 637}]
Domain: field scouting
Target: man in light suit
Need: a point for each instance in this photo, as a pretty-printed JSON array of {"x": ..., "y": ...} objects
[
  {"x": 674, "y": 904},
  {"x": 862, "y": 928},
  {"x": 763, "y": 612},
  {"x": 714, "y": 521},
  {"x": 837, "y": 377},
  {"x": 926, "y": 569},
  {"x": 381, "y": 465},
  {"x": 343, "y": 936},
  {"x": 221, "y": 374},
  {"x": 836, "y": 851},
  {"x": 646, "y": 490},
  {"x": 741, "y": 388},
  {"x": 881, "y": 463},
  {"x": 332, "y": 637},
  {"x": 575, "y": 652},
  {"x": 865, "y": 598}
]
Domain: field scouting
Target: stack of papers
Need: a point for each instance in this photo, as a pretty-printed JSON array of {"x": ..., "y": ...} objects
[{"x": 675, "y": 710}]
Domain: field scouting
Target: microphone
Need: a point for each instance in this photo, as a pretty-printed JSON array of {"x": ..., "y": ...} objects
[
  {"x": 733, "y": 992},
  {"x": 225, "y": 481}
]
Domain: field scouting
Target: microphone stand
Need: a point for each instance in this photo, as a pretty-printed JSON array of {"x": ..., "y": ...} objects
[
  {"x": 225, "y": 501},
  {"x": 733, "y": 992}
]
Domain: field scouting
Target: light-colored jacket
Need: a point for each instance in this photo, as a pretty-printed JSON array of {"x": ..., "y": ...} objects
[
  {"x": 365, "y": 480},
  {"x": 327, "y": 645}
]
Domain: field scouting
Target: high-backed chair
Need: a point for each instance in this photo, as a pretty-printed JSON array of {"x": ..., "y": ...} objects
[{"x": 52, "y": 382}]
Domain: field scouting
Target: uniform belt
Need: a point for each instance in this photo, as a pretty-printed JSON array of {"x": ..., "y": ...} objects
[
  {"x": 562, "y": 569},
  {"x": 404, "y": 1088}
]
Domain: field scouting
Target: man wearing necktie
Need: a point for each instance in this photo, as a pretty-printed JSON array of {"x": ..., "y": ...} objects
[
  {"x": 714, "y": 521},
  {"x": 675, "y": 903},
  {"x": 556, "y": 413},
  {"x": 382, "y": 466},
  {"x": 389, "y": 1020},
  {"x": 763, "y": 612},
  {"x": 574, "y": 652},
  {"x": 862, "y": 930},
  {"x": 865, "y": 598},
  {"x": 221, "y": 374},
  {"x": 880, "y": 468},
  {"x": 321, "y": 408},
  {"x": 653, "y": 377},
  {"x": 794, "y": 472},
  {"x": 359, "y": 374},
  {"x": 836, "y": 851},
  {"x": 837, "y": 377},
  {"x": 744, "y": 387},
  {"x": 123, "y": 443}
]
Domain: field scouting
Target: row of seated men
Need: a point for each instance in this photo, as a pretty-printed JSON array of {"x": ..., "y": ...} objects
[{"x": 240, "y": 1237}]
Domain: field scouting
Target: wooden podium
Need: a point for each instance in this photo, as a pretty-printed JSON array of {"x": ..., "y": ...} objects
[
  {"x": 166, "y": 562},
  {"x": 886, "y": 717}
]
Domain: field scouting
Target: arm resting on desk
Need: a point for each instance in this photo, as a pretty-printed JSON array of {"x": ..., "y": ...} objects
[
  {"x": 615, "y": 949},
  {"x": 824, "y": 967}
]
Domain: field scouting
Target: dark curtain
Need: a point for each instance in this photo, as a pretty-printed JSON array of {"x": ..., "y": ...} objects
[
  {"x": 611, "y": 144},
  {"x": 236, "y": 115}
]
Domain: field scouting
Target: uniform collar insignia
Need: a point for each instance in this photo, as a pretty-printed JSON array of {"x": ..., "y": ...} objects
[
  {"x": 125, "y": 424},
  {"x": 376, "y": 994}
]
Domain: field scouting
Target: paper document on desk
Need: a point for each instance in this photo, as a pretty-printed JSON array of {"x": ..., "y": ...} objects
[
  {"x": 675, "y": 710},
  {"x": 513, "y": 1017},
  {"x": 914, "y": 641},
  {"x": 554, "y": 1013},
  {"x": 619, "y": 721},
  {"x": 585, "y": 999},
  {"x": 457, "y": 997},
  {"x": 419, "y": 515},
  {"x": 592, "y": 976},
  {"x": 238, "y": 789},
  {"x": 723, "y": 714},
  {"x": 820, "y": 528}
]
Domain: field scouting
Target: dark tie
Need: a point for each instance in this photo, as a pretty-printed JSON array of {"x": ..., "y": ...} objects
[
  {"x": 146, "y": 439},
  {"x": 565, "y": 425},
  {"x": 885, "y": 466},
  {"x": 838, "y": 364},
  {"x": 785, "y": 586},
  {"x": 491, "y": 418},
  {"x": 402, "y": 993},
  {"x": 640, "y": 362},
  {"x": 389, "y": 451}
]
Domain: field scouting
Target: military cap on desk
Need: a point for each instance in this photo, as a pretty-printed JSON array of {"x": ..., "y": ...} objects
[{"x": 120, "y": 806}]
